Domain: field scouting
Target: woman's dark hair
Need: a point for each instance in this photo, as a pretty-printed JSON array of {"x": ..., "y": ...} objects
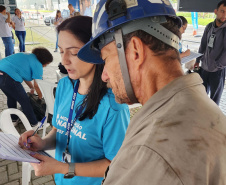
[
  {"x": 98, "y": 88},
  {"x": 58, "y": 11},
  {"x": 43, "y": 55},
  {"x": 82, "y": 32},
  {"x": 2, "y": 8},
  {"x": 184, "y": 20}
]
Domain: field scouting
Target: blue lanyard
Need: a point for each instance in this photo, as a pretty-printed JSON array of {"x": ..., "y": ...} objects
[{"x": 71, "y": 122}]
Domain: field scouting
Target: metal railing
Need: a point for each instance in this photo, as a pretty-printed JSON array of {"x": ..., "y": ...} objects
[{"x": 38, "y": 35}]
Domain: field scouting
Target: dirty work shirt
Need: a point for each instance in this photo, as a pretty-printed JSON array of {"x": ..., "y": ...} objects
[
  {"x": 22, "y": 66},
  {"x": 91, "y": 139},
  {"x": 177, "y": 138}
]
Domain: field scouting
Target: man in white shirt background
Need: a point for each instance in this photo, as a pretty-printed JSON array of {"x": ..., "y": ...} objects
[
  {"x": 5, "y": 32},
  {"x": 72, "y": 11}
]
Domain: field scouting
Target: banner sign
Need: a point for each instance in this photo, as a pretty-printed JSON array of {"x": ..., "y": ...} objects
[{"x": 194, "y": 18}]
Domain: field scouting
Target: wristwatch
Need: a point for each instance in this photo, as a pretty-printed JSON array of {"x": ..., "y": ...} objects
[{"x": 71, "y": 171}]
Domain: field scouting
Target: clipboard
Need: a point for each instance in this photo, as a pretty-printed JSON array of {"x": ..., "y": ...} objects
[
  {"x": 10, "y": 150},
  {"x": 191, "y": 57}
]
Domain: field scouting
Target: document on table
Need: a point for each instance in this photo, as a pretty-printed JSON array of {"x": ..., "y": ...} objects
[
  {"x": 10, "y": 150},
  {"x": 189, "y": 58}
]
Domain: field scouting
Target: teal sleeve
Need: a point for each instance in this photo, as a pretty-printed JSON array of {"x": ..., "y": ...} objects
[
  {"x": 114, "y": 131},
  {"x": 37, "y": 70}
]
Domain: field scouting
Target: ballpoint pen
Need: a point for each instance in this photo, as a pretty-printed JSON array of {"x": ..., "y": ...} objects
[{"x": 42, "y": 122}]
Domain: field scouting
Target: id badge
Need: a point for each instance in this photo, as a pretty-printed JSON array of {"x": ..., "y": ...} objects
[
  {"x": 211, "y": 40},
  {"x": 66, "y": 157}
]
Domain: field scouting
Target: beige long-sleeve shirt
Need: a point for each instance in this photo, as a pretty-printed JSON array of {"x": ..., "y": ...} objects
[{"x": 177, "y": 138}]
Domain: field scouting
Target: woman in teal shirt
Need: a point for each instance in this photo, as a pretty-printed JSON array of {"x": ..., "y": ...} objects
[
  {"x": 20, "y": 67},
  {"x": 85, "y": 109}
]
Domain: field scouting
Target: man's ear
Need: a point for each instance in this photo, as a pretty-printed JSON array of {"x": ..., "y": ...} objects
[
  {"x": 215, "y": 11},
  {"x": 135, "y": 52}
]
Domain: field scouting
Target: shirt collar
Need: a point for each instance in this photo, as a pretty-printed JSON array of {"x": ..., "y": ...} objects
[{"x": 174, "y": 87}]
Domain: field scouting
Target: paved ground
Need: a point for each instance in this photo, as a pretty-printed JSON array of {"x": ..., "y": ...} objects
[{"x": 10, "y": 171}]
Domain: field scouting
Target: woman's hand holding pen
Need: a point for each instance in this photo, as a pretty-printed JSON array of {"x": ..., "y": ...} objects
[
  {"x": 48, "y": 166},
  {"x": 187, "y": 52},
  {"x": 33, "y": 143}
]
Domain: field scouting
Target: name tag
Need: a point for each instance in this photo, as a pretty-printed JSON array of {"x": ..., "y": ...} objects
[
  {"x": 211, "y": 40},
  {"x": 66, "y": 157}
]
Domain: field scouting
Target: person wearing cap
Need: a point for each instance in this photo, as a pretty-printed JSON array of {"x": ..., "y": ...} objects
[{"x": 178, "y": 136}]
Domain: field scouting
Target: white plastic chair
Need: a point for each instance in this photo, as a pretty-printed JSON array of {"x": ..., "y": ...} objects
[
  {"x": 60, "y": 75},
  {"x": 7, "y": 127},
  {"x": 47, "y": 89}
]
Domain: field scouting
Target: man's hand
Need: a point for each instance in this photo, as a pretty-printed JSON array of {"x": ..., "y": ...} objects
[{"x": 196, "y": 65}]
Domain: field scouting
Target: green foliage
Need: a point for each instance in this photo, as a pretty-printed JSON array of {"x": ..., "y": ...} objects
[
  {"x": 203, "y": 18},
  {"x": 30, "y": 10},
  {"x": 201, "y": 21},
  {"x": 185, "y": 14}
]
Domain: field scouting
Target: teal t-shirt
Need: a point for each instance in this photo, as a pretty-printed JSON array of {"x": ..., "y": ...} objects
[
  {"x": 22, "y": 66},
  {"x": 91, "y": 139}
]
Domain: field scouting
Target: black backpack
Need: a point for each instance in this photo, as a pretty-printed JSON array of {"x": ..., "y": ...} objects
[{"x": 39, "y": 107}]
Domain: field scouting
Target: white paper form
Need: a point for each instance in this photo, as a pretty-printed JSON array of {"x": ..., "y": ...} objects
[
  {"x": 189, "y": 58},
  {"x": 10, "y": 150}
]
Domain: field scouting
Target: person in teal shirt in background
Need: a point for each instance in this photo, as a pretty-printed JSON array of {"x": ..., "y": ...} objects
[
  {"x": 20, "y": 67},
  {"x": 88, "y": 125}
]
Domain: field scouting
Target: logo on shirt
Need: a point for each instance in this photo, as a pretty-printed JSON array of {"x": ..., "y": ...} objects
[{"x": 75, "y": 131}]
